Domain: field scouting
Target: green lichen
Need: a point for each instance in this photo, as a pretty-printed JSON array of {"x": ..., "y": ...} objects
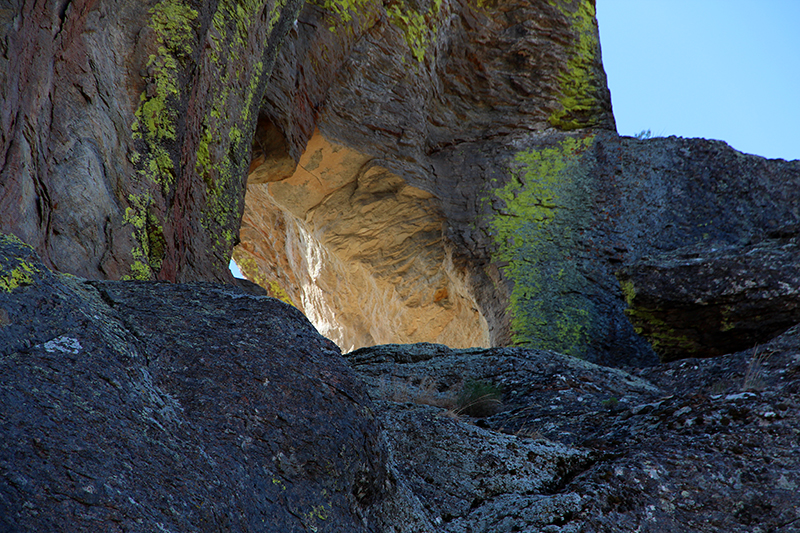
[
  {"x": 15, "y": 272},
  {"x": 545, "y": 206},
  {"x": 250, "y": 269},
  {"x": 13, "y": 277},
  {"x": 154, "y": 126},
  {"x": 313, "y": 516},
  {"x": 628, "y": 291},
  {"x": 342, "y": 11},
  {"x": 414, "y": 25},
  {"x": 148, "y": 255},
  {"x": 222, "y": 141},
  {"x": 577, "y": 83},
  {"x": 663, "y": 338}
]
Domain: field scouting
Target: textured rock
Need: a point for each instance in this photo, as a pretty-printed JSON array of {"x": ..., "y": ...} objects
[
  {"x": 125, "y": 130},
  {"x": 701, "y": 302},
  {"x": 534, "y": 221},
  {"x": 152, "y": 407},
  {"x": 389, "y": 86},
  {"x": 359, "y": 251},
  {"x": 694, "y": 445}
]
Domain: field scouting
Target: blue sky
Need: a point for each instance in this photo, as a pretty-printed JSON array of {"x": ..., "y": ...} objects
[{"x": 718, "y": 69}]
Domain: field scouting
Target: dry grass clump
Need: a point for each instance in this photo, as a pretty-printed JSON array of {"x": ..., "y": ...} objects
[
  {"x": 753, "y": 376},
  {"x": 471, "y": 397}
]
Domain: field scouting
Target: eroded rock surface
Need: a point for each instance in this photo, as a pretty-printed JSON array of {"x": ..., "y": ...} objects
[
  {"x": 151, "y": 406},
  {"x": 359, "y": 251},
  {"x": 694, "y": 445},
  {"x": 125, "y": 130},
  {"x": 702, "y": 302},
  {"x": 535, "y": 221},
  {"x": 155, "y": 406}
]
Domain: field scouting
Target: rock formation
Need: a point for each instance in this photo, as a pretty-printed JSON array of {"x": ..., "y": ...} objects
[
  {"x": 442, "y": 171},
  {"x": 704, "y": 301},
  {"x": 164, "y": 407},
  {"x": 196, "y": 407},
  {"x": 517, "y": 229},
  {"x": 125, "y": 130}
]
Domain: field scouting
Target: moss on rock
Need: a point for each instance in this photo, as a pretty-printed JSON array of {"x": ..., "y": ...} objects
[{"x": 534, "y": 234}]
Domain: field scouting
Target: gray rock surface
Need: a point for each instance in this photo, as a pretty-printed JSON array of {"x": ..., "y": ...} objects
[
  {"x": 703, "y": 301},
  {"x": 694, "y": 445},
  {"x": 157, "y": 407}
]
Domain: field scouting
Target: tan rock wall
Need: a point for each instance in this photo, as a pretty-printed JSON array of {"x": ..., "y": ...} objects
[{"x": 359, "y": 251}]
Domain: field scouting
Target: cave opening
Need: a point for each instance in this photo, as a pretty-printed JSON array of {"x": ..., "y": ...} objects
[{"x": 357, "y": 249}]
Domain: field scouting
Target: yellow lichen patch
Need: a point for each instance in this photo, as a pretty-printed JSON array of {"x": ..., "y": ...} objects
[
  {"x": 250, "y": 269},
  {"x": 15, "y": 272},
  {"x": 544, "y": 207},
  {"x": 577, "y": 83},
  {"x": 22, "y": 274}
]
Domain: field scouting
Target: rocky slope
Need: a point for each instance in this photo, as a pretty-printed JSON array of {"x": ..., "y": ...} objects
[{"x": 197, "y": 407}]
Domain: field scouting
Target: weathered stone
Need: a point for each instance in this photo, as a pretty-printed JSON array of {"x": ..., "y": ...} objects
[
  {"x": 534, "y": 222},
  {"x": 125, "y": 130},
  {"x": 695, "y": 445},
  {"x": 701, "y": 302},
  {"x": 150, "y": 407},
  {"x": 359, "y": 251}
]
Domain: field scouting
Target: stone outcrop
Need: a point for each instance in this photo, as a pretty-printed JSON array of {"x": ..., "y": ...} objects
[
  {"x": 693, "y": 445},
  {"x": 470, "y": 116},
  {"x": 184, "y": 407},
  {"x": 441, "y": 171},
  {"x": 125, "y": 130},
  {"x": 151, "y": 406},
  {"x": 703, "y": 302}
]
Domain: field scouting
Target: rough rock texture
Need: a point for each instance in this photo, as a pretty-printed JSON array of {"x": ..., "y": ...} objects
[
  {"x": 359, "y": 251},
  {"x": 469, "y": 111},
  {"x": 391, "y": 85},
  {"x": 125, "y": 130},
  {"x": 195, "y": 407},
  {"x": 694, "y": 445},
  {"x": 702, "y": 301},
  {"x": 160, "y": 407}
]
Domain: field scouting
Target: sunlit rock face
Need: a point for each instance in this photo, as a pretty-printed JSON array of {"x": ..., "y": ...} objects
[{"x": 357, "y": 249}]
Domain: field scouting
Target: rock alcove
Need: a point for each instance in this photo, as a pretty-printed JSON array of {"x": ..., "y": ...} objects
[{"x": 361, "y": 252}]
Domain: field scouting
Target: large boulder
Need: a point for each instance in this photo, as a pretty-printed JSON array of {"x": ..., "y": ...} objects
[
  {"x": 196, "y": 407},
  {"x": 705, "y": 301},
  {"x": 163, "y": 407},
  {"x": 699, "y": 445}
]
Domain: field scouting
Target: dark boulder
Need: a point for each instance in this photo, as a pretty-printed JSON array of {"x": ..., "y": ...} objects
[
  {"x": 701, "y": 445},
  {"x": 703, "y": 301},
  {"x": 149, "y": 406}
]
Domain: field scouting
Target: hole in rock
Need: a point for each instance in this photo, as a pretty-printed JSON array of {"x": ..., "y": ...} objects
[{"x": 353, "y": 246}]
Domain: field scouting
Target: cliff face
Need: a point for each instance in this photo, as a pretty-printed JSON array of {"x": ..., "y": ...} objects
[
  {"x": 126, "y": 127},
  {"x": 437, "y": 170},
  {"x": 493, "y": 124}
]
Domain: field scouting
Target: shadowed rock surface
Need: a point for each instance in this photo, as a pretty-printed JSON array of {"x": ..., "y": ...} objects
[
  {"x": 702, "y": 302},
  {"x": 151, "y": 407},
  {"x": 694, "y": 445}
]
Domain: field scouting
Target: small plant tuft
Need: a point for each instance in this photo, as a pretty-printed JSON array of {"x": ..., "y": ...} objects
[
  {"x": 479, "y": 398},
  {"x": 754, "y": 375}
]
